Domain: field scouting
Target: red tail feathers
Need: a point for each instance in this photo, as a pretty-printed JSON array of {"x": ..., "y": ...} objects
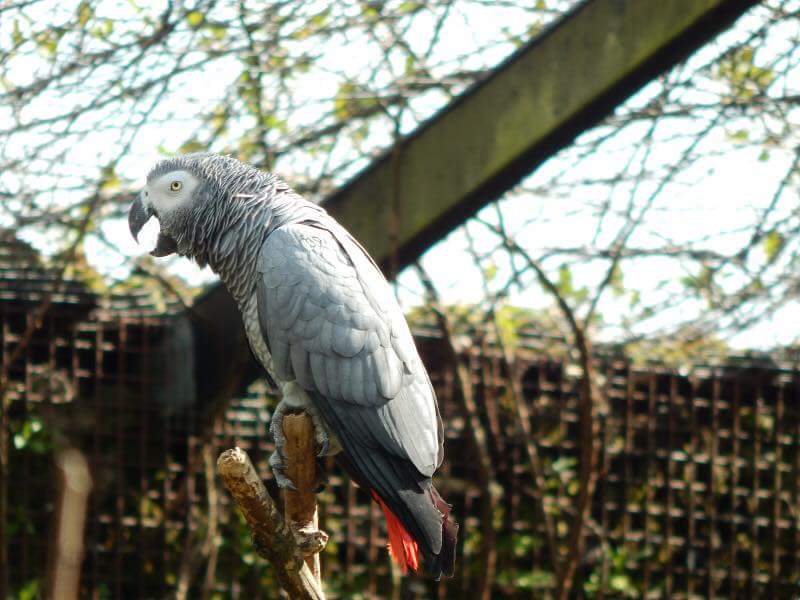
[{"x": 402, "y": 548}]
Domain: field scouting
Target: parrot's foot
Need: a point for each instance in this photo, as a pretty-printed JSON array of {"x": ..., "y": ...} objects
[
  {"x": 278, "y": 465},
  {"x": 296, "y": 399}
]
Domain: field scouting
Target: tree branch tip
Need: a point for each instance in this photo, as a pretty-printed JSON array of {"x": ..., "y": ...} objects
[
  {"x": 310, "y": 540},
  {"x": 233, "y": 462}
]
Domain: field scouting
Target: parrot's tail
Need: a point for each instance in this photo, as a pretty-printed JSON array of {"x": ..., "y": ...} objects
[
  {"x": 402, "y": 547},
  {"x": 446, "y": 560},
  {"x": 404, "y": 550}
]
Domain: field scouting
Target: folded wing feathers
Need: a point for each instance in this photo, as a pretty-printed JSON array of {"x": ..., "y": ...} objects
[
  {"x": 301, "y": 366},
  {"x": 395, "y": 481},
  {"x": 327, "y": 324},
  {"x": 333, "y": 327}
]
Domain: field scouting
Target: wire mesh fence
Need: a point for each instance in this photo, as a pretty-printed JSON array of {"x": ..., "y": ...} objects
[{"x": 698, "y": 492}]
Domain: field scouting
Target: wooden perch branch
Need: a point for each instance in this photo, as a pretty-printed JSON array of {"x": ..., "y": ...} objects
[
  {"x": 300, "y": 505},
  {"x": 272, "y": 537}
]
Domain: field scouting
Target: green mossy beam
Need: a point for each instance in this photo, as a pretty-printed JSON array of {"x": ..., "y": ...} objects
[{"x": 532, "y": 105}]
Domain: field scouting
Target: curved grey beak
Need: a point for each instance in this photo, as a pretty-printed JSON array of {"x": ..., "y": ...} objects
[{"x": 138, "y": 216}]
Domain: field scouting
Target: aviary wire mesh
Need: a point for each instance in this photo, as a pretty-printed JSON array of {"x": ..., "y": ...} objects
[{"x": 698, "y": 493}]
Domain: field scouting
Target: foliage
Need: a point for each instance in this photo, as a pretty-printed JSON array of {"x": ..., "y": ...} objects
[
  {"x": 31, "y": 435},
  {"x": 92, "y": 92}
]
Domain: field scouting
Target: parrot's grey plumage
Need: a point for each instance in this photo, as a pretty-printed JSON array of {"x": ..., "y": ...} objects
[{"x": 319, "y": 315}]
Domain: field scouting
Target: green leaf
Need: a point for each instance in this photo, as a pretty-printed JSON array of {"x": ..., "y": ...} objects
[
  {"x": 191, "y": 146},
  {"x": 564, "y": 284},
  {"x": 490, "y": 271},
  {"x": 271, "y": 121},
  {"x": 29, "y": 591},
  {"x": 564, "y": 464},
  {"x": 109, "y": 180},
  {"x": 702, "y": 281},
  {"x": 535, "y": 580},
  {"x": 409, "y": 7},
  {"x": 85, "y": 13},
  {"x": 741, "y": 135},
  {"x": 524, "y": 543},
  {"x": 369, "y": 11},
  {"x": 104, "y": 30},
  {"x": 303, "y": 33},
  {"x": 47, "y": 41},
  {"x": 410, "y": 65},
  {"x": 195, "y": 19},
  {"x": 622, "y": 583},
  {"x": 16, "y": 34},
  {"x": 219, "y": 119},
  {"x": 615, "y": 281},
  {"x": 342, "y": 102},
  {"x": 745, "y": 78},
  {"x": 218, "y": 32},
  {"x": 773, "y": 243},
  {"x": 320, "y": 19}
]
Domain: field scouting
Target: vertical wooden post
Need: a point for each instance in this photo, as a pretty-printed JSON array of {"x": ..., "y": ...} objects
[
  {"x": 300, "y": 505},
  {"x": 76, "y": 484}
]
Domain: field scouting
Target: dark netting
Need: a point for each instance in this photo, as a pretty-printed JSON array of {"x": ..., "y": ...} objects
[{"x": 697, "y": 495}]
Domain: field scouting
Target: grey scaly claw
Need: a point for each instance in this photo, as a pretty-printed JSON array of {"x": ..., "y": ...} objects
[
  {"x": 321, "y": 481},
  {"x": 294, "y": 399},
  {"x": 276, "y": 425},
  {"x": 278, "y": 466},
  {"x": 277, "y": 462},
  {"x": 284, "y": 482},
  {"x": 325, "y": 444}
]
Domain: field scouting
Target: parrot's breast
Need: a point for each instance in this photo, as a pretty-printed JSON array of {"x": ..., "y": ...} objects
[{"x": 258, "y": 344}]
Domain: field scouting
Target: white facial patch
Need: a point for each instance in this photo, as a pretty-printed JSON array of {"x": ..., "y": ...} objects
[
  {"x": 170, "y": 191},
  {"x": 149, "y": 234}
]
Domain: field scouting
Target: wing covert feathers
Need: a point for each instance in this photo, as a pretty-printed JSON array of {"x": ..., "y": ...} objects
[{"x": 332, "y": 323}]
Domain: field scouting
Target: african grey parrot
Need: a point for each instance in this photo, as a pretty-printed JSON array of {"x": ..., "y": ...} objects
[{"x": 324, "y": 323}]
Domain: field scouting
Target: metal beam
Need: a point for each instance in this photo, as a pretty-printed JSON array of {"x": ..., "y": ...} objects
[{"x": 498, "y": 131}]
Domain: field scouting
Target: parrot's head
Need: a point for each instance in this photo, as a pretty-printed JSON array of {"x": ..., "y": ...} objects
[{"x": 186, "y": 194}]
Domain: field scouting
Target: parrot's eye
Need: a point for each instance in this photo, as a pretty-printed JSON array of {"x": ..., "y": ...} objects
[{"x": 175, "y": 186}]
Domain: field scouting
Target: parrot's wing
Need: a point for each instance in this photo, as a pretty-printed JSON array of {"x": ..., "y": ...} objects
[{"x": 332, "y": 323}]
